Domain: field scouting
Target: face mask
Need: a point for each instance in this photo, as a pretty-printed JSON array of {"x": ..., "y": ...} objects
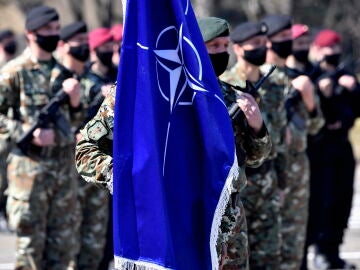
[
  {"x": 47, "y": 43},
  {"x": 333, "y": 59},
  {"x": 301, "y": 55},
  {"x": 219, "y": 62},
  {"x": 80, "y": 53},
  {"x": 256, "y": 57},
  {"x": 105, "y": 57},
  {"x": 10, "y": 47},
  {"x": 283, "y": 48}
]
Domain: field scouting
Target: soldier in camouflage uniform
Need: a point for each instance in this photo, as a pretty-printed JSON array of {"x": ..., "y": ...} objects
[
  {"x": 260, "y": 196},
  {"x": 252, "y": 146},
  {"x": 94, "y": 153},
  {"x": 93, "y": 201},
  {"x": 42, "y": 190},
  {"x": 305, "y": 117}
]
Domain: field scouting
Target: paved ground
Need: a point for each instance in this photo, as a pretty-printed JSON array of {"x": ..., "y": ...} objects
[{"x": 349, "y": 251}]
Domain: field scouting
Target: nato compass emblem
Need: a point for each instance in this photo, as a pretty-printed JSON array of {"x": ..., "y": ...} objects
[{"x": 179, "y": 70}]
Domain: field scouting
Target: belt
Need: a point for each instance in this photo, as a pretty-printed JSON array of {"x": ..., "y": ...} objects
[{"x": 264, "y": 168}]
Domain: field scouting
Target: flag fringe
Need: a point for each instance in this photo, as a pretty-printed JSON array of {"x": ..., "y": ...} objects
[
  {"x": 219, "y": 212},
  {"x": 127, "y": 264}
]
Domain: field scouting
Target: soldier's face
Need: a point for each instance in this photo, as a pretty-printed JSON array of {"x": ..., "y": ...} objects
[
  {"x": 217, "y": 45},
  {"x": 301, "y": 43},
  {"x": 51, "y": 29},
  {"x": 254, "y": 43},
  {"x": 78, "y": 39},
  {"x": 331, "y": 50},
  {"x": 282, "y": 36}
]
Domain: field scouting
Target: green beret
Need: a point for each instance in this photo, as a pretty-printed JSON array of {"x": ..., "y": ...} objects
[{"x": 212, "y": 27}]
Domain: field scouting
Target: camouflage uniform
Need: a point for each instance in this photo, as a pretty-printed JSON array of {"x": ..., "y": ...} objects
[
  {"x": 94, "y": 201},
  {"x": 261, "y": 197},
  {"x": 42, "y": 190},
  {"x": 294, "y": 211},
  {"x": 94, "y": 163}
]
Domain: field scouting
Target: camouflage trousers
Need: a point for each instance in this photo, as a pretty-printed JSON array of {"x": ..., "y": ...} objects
[
  {"x": 261, "y": 202},
  {"x": 94, "y": 214},
  {"x": 294, "y": 212},
  {"x": 41, "y": 203},
  {"x": 232, "y": 244}
]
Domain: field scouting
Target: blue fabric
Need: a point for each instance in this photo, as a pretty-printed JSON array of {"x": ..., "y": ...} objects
[{"x": 173, "y": 140}]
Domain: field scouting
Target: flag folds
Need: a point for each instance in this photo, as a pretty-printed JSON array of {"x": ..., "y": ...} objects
[{"x": 173, "y": 142}]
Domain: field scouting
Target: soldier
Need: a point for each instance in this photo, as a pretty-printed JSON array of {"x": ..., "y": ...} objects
[
  {"x": 93, "y": 216},
  {"x": 94, "y": 158},
  {"x": 298, "y": 62},
  {"x": 252, "y": 143},
  {"x": 42, "y": 190},
  {"x": 260, "y": 197},
  {"x": 304, "y": 117},
  {"x": 8, "y": 46},
  {"x": 332, "y": 156}
]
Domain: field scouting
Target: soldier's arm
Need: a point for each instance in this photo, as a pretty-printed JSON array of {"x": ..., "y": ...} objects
[
  {"x": 93, "y": 153},
  {"x": 257, "y": 146},
  {"x": 9, "y": 98}
]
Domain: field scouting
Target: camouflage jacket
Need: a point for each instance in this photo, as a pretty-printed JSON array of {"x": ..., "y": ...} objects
[
  {"x": 94, "y": 150},
  {"x": 93, "y": 155},
  {"x": 301, "y": 122},
  {"x": 272, "y": 106},
  {"x": 251, "y": 149},
  {"x": 27, "y": 85}
]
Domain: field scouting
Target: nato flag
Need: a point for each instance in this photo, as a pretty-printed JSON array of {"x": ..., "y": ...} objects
[{"x": 173, "y": 142}]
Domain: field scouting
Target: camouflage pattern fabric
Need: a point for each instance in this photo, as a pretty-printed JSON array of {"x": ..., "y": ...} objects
[
  {"x": 94, "y": 163},
  {"x": 93, "y": 201},
  {"x": 294, "y": 211},
  {"x": 42, "y": 190},
  {"x": 95, "y": 213},
  {"x": 261, "y": 196}
]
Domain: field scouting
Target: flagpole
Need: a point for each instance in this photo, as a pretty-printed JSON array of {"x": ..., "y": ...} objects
[{"x": 124, "y": 10}]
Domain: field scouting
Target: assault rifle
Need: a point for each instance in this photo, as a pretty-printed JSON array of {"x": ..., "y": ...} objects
[
  {"x": 48, "y": 114},
  {"x": 234, "y": 110}
]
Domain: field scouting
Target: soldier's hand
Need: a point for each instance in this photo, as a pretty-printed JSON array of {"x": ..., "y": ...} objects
[
  {"x": 105, "y": 89},
  {"x": 306, "y": 88},
  {"x": 71, "y": 86},
  {"x": 326, "y": 87},
  {"x": 251, "y": 110},
  {"x": 43, "y": 137},
  {"x": 348, "y": 82}
]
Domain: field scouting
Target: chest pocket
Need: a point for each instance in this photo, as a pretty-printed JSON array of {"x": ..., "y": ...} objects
[{"x": 36, "y": 89}]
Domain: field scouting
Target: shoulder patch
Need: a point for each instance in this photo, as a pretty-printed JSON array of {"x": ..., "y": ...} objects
[{"x": 96, "y": 131}]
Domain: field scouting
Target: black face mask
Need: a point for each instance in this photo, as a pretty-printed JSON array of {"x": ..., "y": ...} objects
[
  {"x": 10, "y": 47},
  {"x": 333, "y": 59},
  {"x": 283, "y": 48},
  {"x": 105, "y": 57},
  {"x": 47, "y": 43},
  {"x": 301, "y": 56},
  {"x": 80, "y": 53},
  {"x": 219, "y": 62},
  {"x": 256, "y": 57}
]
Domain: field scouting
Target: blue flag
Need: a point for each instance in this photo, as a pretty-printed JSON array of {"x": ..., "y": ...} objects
[{"x": 173, "y": 142}]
